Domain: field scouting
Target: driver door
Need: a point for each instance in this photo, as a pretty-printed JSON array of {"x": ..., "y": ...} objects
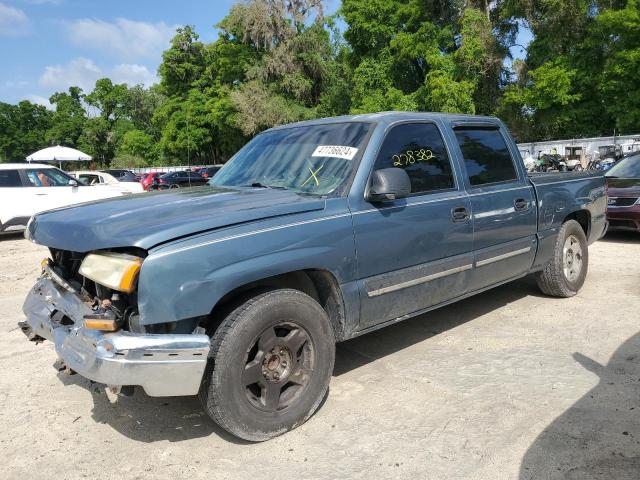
[{"x": 415, "y": 252}]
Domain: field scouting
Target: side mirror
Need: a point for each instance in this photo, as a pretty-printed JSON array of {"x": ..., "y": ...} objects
[
  {"x": 388, "y": 184},
  {"x": 73, "y": 183}
]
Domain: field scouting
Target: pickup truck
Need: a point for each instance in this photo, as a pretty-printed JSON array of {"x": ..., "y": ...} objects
[{"x": 313, "y": 233}]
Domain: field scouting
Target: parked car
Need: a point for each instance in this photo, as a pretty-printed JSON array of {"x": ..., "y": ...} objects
[
  {"x": 623, "y": 192},
  {"x": 147, "y": 179},
  {"x": 103, "y": 179},
  {"x": 122, "y": 175},
  {"x": 180, "y": 179},
  {"x": 209, "y": 172},
  {"x": 313, "y": 233},
  {"x": 26, "y": 189}
]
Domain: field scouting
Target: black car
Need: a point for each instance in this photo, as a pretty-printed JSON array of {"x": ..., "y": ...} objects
[
  {"x": 181, "y": 179},
  {"x": 209, "y": 172},
  {"x": 122, "y": 175}
]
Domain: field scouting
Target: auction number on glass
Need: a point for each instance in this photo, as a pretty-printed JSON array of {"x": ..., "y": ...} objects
[{"x": 412, "y": 156}]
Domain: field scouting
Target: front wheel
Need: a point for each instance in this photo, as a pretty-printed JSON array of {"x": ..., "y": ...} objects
[
  {"x": 269, "y": 366},
  {"x": 565, "y": 274}
]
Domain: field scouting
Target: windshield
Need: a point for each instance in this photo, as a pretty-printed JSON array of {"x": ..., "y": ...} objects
[
  {"x": 316, "y": 159},
  {"x": 626, "y": 168},
  {"x": 48, "y": 177}
]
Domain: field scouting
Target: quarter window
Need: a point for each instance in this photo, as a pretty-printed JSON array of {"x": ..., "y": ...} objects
[
  {"x": 419, "y": 150},
  {"x": 10, "y": 178},
  {"x": 486, "y": 156}
]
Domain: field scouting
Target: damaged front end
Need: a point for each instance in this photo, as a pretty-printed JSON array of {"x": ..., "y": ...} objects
[{"x": 96, "y": 331}]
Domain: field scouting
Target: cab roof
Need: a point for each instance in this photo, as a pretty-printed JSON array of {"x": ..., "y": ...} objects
[
  {"x": 23, "y": 166},
  {"x": 392, "y": 117}
]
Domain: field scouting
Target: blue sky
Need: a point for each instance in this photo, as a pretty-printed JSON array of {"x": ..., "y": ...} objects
[{"x": 49, "y": 45}]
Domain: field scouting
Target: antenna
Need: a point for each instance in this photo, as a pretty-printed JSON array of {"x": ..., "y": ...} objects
[{"x": 188, "y": 148}]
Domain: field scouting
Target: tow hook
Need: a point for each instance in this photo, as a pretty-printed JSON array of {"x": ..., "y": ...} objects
[
  {"x": 61, "y": 367},
  {"x": 115, "y": 391},
  {"x": 28, "y": 331}
]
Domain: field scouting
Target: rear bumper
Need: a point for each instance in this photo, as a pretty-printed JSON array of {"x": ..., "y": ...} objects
[
  {"x": 624, "y": 218},
  {"x": 163, "y": 365}
]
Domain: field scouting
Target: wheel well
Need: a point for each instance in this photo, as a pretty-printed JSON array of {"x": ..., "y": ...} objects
[
  {"x": 320, "y": 285},
  {"x": 583, "y": 217}
]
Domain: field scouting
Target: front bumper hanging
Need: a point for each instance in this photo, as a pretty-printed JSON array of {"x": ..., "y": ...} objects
[{"x": 163, "y": 365}]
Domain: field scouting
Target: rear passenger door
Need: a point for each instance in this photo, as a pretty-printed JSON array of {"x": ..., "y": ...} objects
[
  {"x": 502, "y": 203},
  {"x": 413, "y": 252}
]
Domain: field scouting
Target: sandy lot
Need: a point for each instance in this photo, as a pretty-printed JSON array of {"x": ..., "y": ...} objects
[{"x": 506, "y": 385}]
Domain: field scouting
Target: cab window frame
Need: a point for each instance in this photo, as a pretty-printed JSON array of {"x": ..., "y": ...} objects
[
  {"x": 454, "y": 174},
  {"x": 463, "y": 162}
]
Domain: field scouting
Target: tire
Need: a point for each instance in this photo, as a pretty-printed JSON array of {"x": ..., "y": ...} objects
[
  {"x": 283, "y": 340},
  {"x": 578, "y": 168},
  {"x": 174, "y": 185},
  {"x": 565, "y": 274}
]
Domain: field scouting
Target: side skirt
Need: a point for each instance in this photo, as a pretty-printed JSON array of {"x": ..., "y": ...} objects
[{"x": 373, "y": 328}]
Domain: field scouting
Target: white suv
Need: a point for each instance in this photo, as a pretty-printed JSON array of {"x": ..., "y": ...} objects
[{"x": 26, "y": 189}]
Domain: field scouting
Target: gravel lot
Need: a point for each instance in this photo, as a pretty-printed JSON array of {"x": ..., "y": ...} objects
[{"x": 506, "y": 385}]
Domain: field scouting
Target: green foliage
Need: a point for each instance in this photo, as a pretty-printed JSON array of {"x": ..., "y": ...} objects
[
  {"x": 22, "y": 128},
  {"x": 129, "y": 161},
  {"x": 137, "y": 143}
]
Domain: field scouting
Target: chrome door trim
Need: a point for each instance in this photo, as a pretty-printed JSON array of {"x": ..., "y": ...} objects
[
  {"x": 418, "y": 281},
  {"x": 497, "y": 258}
]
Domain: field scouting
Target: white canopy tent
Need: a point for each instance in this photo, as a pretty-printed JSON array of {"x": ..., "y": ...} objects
[{"x": 58, "y": 154}]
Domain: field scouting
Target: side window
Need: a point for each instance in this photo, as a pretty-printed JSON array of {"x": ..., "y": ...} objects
[
  {"x": 486, "y": 155},
  {"x": 419, "y": 150},
  {"x": 10, "y": 178}
]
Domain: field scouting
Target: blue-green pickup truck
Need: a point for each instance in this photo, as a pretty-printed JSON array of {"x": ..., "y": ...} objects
[{"x": 313, "y": 233}]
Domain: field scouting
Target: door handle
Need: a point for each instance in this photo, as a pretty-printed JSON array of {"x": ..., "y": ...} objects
[
  {"x": 521, "y": 204},
  {"x": 460, "y": 214}
]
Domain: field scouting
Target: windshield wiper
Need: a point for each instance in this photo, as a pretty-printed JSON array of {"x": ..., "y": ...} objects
[{"x": 262, "y": 185}]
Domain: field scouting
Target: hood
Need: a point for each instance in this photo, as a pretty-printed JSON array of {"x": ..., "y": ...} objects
[
  {"x": 623, "y": 187},
  {"x": 149, "y": 219}
]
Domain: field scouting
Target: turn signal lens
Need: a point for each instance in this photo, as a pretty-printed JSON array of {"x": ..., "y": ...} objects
[{"x": 100, "y": 324}]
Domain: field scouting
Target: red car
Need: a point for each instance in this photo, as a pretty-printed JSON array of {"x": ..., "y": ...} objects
[
  {"x": 147, "y": 179},
  {"x": 623, "y": 193}
]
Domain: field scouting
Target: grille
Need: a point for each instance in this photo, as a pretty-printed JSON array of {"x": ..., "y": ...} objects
[{"x": 621, "y": 202}]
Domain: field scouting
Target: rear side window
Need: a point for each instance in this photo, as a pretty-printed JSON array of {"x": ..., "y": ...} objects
[
  {"x": 10, "y": 178},
  {"x": 486, "y": 155},
  {"x": 419, "y": 150}
]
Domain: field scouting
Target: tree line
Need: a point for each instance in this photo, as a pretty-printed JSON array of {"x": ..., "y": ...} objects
[{"x": 280, "y": 61}]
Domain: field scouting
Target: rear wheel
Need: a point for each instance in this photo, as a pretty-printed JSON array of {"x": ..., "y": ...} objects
[
  {"x": 269, "y": 366},
  {"x": 565, "y": 274},
  {"x": 174, "y": 185}
]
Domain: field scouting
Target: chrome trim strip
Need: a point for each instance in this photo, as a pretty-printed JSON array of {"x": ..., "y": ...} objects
[
  {"x": 418, "y": 281},
  {"x": 247, "y": 234},
  {"x": 504, "y": 256},
  {"x": 424, "y": 202}
]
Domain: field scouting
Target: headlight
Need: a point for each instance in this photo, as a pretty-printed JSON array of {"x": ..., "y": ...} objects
[{"x": 117, "y": 271}]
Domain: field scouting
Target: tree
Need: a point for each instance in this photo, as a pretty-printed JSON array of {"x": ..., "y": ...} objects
[
  {"x": 22, "y": 129},
  {"x": 68, "y": 119}
]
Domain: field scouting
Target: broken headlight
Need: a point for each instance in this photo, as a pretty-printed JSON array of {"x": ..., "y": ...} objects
[{"x": 117, "y": 271}]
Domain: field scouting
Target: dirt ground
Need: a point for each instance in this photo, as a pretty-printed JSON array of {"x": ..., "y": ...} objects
[{"x": 506, "y": 385}]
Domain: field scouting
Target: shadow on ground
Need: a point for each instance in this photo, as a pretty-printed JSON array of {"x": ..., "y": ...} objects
[
  {"x": 173, "y": 419},
  {"x": 599, "y": 436},
  {"x": 368, "y": 348},
  {"x": 11, "y": 236},
  {"x": 621, "y": 237}
]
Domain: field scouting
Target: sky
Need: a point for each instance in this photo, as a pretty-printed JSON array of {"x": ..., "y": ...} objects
[{"x": 48, "y": 45}]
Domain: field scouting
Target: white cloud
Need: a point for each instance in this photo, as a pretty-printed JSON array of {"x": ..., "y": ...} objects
[
  {"x": 13, "y": 21},
  {"x": 44, "y": 2},
  {"x": 133, "y": 74},
  {"x": 126, "y": 39},
  {"x": 40, "y": 100},
  {"x": 83, "y": 73}
]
